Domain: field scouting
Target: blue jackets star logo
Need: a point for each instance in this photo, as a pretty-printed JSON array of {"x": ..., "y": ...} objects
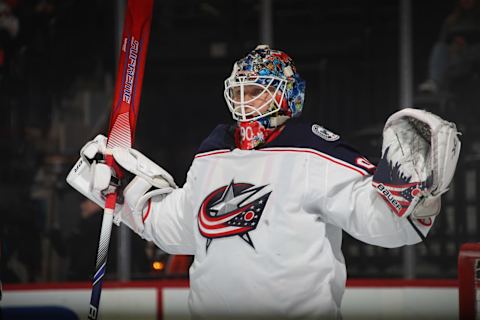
[{"x": 232, "y": 210}]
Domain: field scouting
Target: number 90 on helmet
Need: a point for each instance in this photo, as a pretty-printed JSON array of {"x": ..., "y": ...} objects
[{"x": 263, "y": 85}]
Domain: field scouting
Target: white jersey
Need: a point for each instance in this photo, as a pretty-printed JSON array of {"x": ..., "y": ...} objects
[{"x": 265, "y": 225}]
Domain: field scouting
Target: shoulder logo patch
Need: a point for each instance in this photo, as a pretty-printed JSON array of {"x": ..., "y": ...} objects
[{"x": 324, "y": 133}]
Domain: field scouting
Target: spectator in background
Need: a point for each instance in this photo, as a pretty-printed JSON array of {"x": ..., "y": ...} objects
[
  {"x": 456, "y": 54},
  {"x": 178, "y": 265},
  {"x": 82, "y": 243},
  {"x": 80, "y": 246},
  {"x": 9, "y": 27},
  {"x": 20, "y": 233}
]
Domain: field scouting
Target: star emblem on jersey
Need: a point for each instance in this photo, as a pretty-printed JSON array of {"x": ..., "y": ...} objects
[{"x": 232, "y": 210}]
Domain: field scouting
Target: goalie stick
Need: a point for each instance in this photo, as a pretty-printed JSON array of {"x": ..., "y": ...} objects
[{"x": 123, "y": 118}]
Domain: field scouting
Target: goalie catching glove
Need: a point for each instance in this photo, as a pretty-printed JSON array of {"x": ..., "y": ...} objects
[
  {"x": 94, "y": 179},
  {"x": 419, "y": 156}
]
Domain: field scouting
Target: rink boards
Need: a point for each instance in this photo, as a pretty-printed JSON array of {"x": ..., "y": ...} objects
[{"x": 364, "y": 299}]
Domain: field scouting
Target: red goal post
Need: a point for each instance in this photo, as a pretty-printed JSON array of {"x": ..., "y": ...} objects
[{"x": 469, "y": 281}]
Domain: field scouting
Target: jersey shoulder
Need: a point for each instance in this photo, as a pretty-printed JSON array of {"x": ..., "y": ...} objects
[
  {"x": 305, "y": 135},
  {"x": 221, "y": 138}
]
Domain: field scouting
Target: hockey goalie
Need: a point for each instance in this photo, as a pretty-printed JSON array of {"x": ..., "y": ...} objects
[{"x": 266, "y": 198}]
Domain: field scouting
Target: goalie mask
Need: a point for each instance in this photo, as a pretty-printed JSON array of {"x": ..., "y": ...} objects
[{"x": 263, "y": 91}]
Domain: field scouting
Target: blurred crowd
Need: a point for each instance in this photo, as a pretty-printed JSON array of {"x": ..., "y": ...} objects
[
  {"x": 45, "y": 46},
  {"x": 455, "y": 57}
]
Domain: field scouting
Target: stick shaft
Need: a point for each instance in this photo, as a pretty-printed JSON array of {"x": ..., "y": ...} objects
[{"x": 123, "y": 118}]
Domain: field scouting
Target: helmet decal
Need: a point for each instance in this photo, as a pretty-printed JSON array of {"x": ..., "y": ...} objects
[
  {"x": 273, "y": 71},
  {"x": 263, "y": 91}
]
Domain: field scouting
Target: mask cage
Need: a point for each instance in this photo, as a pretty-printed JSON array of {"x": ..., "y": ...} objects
[{"x": 242, "y": 109}]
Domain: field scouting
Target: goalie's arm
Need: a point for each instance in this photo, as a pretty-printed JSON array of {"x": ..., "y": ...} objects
[
  {"x": 168, "y": 221},
  {"x": 153, "y": 206},
  {"x": 347, "y": 200},
  {"x": 419, "y": 156}
]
